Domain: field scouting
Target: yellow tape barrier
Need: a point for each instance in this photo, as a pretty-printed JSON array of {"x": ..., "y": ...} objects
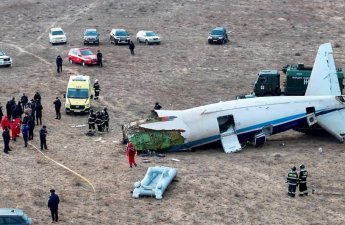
[{"x": 65, "y": 167}]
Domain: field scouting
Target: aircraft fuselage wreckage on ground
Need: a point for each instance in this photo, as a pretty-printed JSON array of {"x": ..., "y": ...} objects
[{"x": 252, "y": 119}]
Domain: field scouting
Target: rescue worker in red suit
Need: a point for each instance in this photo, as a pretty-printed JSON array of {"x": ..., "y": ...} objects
[
  {"x": 5, "y": 122},
  {"x": 131, "y": 151},
  {"x": 15, "y": 129}
]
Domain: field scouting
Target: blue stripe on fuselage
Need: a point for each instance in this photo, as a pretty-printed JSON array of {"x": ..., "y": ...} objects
[{"x": 247, "y": 133}]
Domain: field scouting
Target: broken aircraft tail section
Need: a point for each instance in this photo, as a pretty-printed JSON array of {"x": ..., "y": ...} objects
[{"x": 247, "y": 120}]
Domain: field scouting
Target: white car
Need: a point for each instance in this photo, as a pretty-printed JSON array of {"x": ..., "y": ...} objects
[
  {"x": 5, "y": 60},
  {"x": 148, "y": 37},
  {"x": 57, "y": 36}
]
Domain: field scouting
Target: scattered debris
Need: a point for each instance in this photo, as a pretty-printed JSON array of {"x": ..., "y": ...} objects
[
  {"x": 145, "y": 160},
  {"x": 160, "y": 155},
  {"x": 80, "y": 125},
  {"x": 99, "y": 139},
  {"x": 176, "y": 160}
]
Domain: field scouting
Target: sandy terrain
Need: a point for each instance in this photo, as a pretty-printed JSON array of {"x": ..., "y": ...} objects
[{"x": 213, "y": 187}]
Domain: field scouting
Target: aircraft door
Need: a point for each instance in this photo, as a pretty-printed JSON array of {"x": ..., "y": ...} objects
[
  {"x": 311, "y": 118},
  {"x": 228, "y": 135},
  {"x": 261, "y": 136}
]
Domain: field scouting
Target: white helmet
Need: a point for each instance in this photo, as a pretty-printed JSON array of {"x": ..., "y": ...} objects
[{"x": 96, "y": 81}]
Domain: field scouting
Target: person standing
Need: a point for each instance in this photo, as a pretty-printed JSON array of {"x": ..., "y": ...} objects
[
  {"x": 37, "y": 97},
  {"x": 53, "y": 205},
  {"x": 7, "y": 138},
  {"x": 43, "y": 137},
  {"x": 97, "y": 89},
  {"x": 106, "y": 119},
  {"x": 57, "y": 104},
  {"x": 24, "y": 100},
  {"x": 9, "y": 107},
  {"x": 5, "y": 122},
  {"x": 292, "y": 180},
  {"x": 131, "y": 47},
  {"x": 303, "y": 174},
  {"x": 59, "y": 61},
  {"x": 33, "y": 108},
  {"x": 157, "y": 106},
  {"x": 131, "y": 152},
  {"x": 17, "y": 112},
  {"x": 38, "y": 112},
  {"x": 99, "y": 58},
  {"x": 31, "y": 124},
  {"x": 25, "y": 132},
  {"x": 91, "y": 121},
  {"x": 15, "y": 128},
  {"x": 26, "y": 117},
  {"x": 99, "y": 122}
]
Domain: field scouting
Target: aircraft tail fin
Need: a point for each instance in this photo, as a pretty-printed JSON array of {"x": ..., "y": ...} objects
[{"x": 323, "y": 79}]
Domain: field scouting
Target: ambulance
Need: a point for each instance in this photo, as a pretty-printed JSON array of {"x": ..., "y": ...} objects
[{"x": 79, "y": 94}]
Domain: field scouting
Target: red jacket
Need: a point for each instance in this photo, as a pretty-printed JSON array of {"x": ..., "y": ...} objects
[
  {"x": 131, "y": 151},
  {"x": 5, "y": 122}
]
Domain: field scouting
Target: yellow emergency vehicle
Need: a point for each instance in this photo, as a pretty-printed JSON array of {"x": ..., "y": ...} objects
[{"x": 79, "y": 94}]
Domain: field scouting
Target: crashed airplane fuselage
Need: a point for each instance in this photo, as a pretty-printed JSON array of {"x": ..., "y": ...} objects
[{"x": 253, "y": 119}]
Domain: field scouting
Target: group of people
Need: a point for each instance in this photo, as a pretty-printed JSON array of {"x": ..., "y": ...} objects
[
  {"x": 99, "y": 119},
  {"x": 21, "y": 117},
  {"x": 294, "y": 179}
]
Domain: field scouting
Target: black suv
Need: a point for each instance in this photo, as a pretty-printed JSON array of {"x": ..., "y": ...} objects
[
  {"x": 218, "y": 35},
  {"x": 91, "y": 36}
]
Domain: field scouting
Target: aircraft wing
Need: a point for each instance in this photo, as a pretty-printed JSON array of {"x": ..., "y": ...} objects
[
  {"x": 323, "y": 79},
  {"x": 334, "y": 123}
]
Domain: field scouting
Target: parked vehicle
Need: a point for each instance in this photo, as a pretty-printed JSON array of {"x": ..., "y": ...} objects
[
  {"x": 91, "y": 36},
  {"x": 218, "y": 35},
  {"x": 5, "y": 60},
  {"x": 83, "y": 56},
  {"x": 13, "y": 217},
  {"x": 79, "y": 94},
  {"x": 57, "y": 35},
  {"x": 119, "y": 36},
  {"x": 148, "y": 37},
  {"x": 296, "y": 81}
]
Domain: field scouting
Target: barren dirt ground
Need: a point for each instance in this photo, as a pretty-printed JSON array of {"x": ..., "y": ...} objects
[{"x": 213, "y": 187}]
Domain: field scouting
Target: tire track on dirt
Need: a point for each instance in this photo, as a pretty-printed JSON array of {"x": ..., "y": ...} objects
[{"x": 22, "y": 50}]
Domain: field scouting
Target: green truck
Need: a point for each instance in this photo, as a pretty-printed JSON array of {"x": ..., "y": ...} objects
[{"x": 296, "y": 81}]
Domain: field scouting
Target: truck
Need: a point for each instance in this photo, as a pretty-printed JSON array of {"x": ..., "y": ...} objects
[{"x": 295, "y": 83}]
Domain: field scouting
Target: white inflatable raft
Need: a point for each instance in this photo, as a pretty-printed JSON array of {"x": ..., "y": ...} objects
[{"x": 155, "y": 182}]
